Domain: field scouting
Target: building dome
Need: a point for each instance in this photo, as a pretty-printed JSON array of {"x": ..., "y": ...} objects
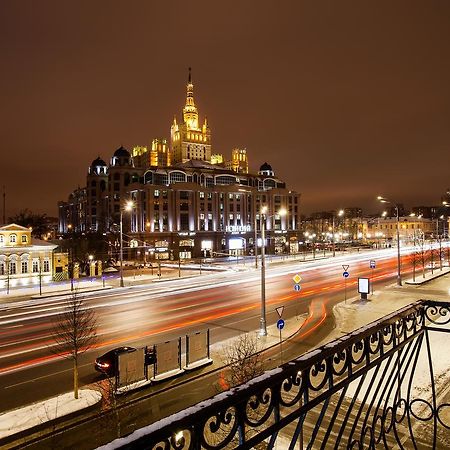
[
  {"x": 121, "y": 157},
  {"x": 98, "y": 167},
  {"x": 122, "y": 153},
  {"x": 265, "y": 168},
  {"x": 98, "y": 162}
]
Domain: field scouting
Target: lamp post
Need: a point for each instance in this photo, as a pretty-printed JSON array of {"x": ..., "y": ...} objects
[
  {"x": 128, "y": 207},
  {"x": 340, "y": 213},
  {"x": 399, "y": 273},
  {"x": 263, "y": 324}
]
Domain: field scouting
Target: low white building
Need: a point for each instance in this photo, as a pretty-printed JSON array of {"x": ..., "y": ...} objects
[{"x": 23, "y": 259}]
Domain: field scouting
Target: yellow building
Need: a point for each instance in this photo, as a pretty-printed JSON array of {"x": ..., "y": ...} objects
[
  {"x": 239, "y": 161},
  {"x": 23, "y": 259},
  {"x": 189, "y": 141}
]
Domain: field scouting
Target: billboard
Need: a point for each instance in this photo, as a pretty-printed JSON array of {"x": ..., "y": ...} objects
[
  {"x": 131, "y": 367},
  {"x": 197, "y": 347},
  {"x": 168, "y": 356},
  {"x": 363, "y": 286}
]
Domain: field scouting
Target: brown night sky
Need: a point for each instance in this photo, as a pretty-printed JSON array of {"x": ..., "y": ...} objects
[{"x": 346, "y": 100}]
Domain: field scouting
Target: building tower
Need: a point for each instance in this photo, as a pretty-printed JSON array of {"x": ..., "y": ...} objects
[
  {"x": 239, "y": 161},
  {"x": 188, "y": 140}
]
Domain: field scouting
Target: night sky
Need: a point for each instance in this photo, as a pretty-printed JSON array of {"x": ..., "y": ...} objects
[{"x": 346, "y": 100}]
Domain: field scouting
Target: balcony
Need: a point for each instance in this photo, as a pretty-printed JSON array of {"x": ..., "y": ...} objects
[{"x": 374, "y": 388}]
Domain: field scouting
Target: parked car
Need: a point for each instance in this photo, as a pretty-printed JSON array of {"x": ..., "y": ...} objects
[{"x": 107, "y": 363}]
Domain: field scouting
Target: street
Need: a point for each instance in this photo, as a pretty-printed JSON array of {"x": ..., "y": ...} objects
[{"x": 226, "y": 303}]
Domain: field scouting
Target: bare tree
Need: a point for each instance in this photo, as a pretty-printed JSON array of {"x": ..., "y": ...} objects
[
  {"x": 244, "y": 359},
  {"x": 74, "y": 332}
]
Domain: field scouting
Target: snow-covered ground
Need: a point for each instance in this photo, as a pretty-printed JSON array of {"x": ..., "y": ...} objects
[{"x": 38, "y": 413}]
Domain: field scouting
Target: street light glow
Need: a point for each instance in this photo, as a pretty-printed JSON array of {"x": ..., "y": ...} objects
[{"x": 129, "y": 205}]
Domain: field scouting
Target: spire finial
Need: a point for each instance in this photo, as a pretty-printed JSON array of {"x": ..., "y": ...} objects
[{"x": 189, "y": 78}]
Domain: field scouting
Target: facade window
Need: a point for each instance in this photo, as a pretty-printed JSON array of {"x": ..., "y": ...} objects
[
  {"x": 156, "y": 193},
  {"x": 24, "y": 267},
  {"x": 35, "y": 266},
  {"x": 202, "y": 216},
  {"x": 1, "y": 239},
  {"x": 2, "y": 268},
  {"x": 12, "y": 238},
  {"x": 230, "y": 196},
  {"x": 24, "y": 239},
  {"x": 202, "y": 195},
  {"x": 231, "y": 216},
  {"x": 12, "y": 268},
  {"x": 46, "y": 266}
]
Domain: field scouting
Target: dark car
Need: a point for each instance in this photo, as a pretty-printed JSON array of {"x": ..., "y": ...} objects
[{"x": 107, "y": 363}]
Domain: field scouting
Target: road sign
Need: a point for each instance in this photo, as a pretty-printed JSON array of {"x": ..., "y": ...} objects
[
  {"x": 345, "y": 274},
  {"x": 297, "y": 278},
  {"x": 297, "y": 288},
  {"x": 280, "y": 324},
  {"x": 345, "y": 267},
  {"x": 372, "y": 264},
  {"x": 279, "y": 311}
]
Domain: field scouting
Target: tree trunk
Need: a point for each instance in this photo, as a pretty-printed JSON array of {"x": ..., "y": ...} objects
[{"x": 75, "y": 377}]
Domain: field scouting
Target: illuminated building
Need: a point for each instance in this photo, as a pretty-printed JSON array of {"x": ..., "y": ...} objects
[
  {"x": 188, "y": 202},
  {"x": 239, "y": 161},
  {"x": 189, "y": 141},
  {"x": 23, "y": 260}
]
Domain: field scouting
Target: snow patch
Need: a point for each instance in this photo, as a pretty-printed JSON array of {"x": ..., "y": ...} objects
[{"x": 21, "y": 419}]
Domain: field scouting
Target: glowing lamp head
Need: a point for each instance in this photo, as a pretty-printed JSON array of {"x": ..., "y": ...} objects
[
  {"x": 282, "y": 212},
  {"x": 129, "y": 205},
  {"x": 341, "y": 212},
  {"x": 264, "y": 210}
]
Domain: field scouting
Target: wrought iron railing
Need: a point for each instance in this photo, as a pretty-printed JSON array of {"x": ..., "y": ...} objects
[{"x": 373, "y": 388}]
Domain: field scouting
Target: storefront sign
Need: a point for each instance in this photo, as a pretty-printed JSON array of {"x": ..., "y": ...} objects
[{"x": 238, "y": 228}]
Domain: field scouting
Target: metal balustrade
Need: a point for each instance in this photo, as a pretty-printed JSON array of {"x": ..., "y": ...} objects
[{"x": 373, "y": 388}]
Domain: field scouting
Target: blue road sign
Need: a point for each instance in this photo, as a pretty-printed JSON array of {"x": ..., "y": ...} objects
[
  {"x": 372, "y": 264},
  {"x": 345, "y": 274},
  {"x": 280, "y": 324},
  {"x": 297, "y": 287}
]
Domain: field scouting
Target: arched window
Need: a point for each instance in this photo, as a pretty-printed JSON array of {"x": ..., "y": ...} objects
[
  {"x": 177, "y": 177},
  {"x": 225, "y": 179}
]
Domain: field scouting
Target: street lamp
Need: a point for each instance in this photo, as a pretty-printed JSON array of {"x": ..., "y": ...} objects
[
  {"x": 128, "y": 207},
  {"x": 282, "y": 212},
  {"x": 340, "y": 213},
  {"x": 399, "y": 274}
]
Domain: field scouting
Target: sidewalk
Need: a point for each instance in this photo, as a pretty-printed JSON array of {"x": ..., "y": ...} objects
[{"x": 356, "y": 313}]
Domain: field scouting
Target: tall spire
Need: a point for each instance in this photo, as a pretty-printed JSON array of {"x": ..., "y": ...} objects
[{"x": 190, "y": 114}]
